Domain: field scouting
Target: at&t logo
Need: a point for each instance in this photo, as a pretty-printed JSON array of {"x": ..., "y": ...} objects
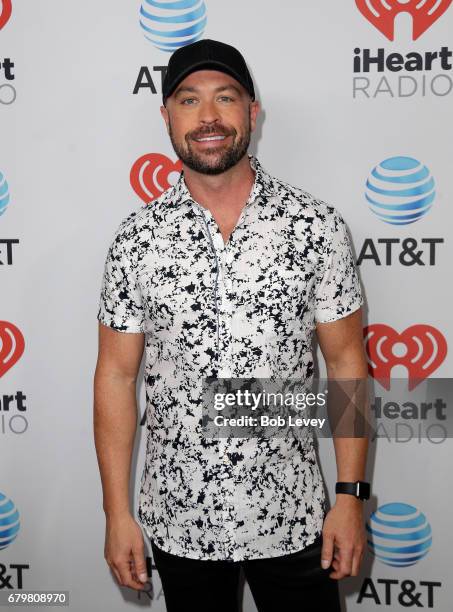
[
  {"x": 11, "y": 575},
  {"x": 6, "y": 244},
  {"x": 399, "y": 191},
  {"x": 4, "y": 193},
  {"x": 168, "y": 25},
  {"x": 399, "y": 535},
  {"x": 9, "y": 521},
  {"x": 174, "y": 24}
]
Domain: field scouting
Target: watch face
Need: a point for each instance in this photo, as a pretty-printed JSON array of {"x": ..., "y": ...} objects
[{"x": 364, "y": 490}]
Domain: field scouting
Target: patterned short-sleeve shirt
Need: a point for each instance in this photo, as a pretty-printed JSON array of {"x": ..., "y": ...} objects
[{"x": 243, "y": 309}]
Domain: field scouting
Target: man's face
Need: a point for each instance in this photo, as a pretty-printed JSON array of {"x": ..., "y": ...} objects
[{"x": 209, "y": 118}]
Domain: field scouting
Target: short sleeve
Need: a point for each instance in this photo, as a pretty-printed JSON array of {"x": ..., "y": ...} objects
[
  {"x": 338, "y": 292},
  {"x": 120, "y": 304}
]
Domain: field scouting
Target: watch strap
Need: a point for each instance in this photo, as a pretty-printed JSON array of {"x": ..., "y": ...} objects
[{"x": 360, "y": 488}]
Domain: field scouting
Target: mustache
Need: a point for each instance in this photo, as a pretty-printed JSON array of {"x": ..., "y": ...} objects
[{"x": 217, "y": 129}]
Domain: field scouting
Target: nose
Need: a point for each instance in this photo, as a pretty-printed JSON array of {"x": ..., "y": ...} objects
[{"x": 208, "y": 113}]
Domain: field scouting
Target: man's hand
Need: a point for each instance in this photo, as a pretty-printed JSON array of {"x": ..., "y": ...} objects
[
  {"x": 124, "y": 551},
  {"x": 343, "y": 537}
]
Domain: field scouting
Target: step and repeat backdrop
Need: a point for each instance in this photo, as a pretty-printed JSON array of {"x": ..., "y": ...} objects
[{"x": 357, "y": 99}]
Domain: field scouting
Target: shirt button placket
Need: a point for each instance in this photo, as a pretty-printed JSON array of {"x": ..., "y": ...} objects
[
  {"x": 225, "y": 258},
  {"x": 227, "y": 372},
  {"x": 228, "y": 510},
  {"x": 225, "y": 308}
]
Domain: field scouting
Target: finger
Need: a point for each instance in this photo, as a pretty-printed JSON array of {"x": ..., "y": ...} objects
[
  {"x": 346, "y": 561},
  {"x": 136, "y": 583},
  {"x": 116, "y": 573},
  {"x": 340, "y": 563},
  {"x": 336, "y": 574},
  {"x": 356, "y": 561},
  {"x": 327, "y": 550},
  {"x": 336, "y": 559},
  {"x": 139, "y": 563},
  {"x": 127, "y": 578}
]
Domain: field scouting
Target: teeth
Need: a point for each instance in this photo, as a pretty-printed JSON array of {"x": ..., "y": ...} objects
[{"x": 210, "y": 138}]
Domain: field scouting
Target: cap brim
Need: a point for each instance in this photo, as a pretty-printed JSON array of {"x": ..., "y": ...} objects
[{"x": 205, "y": 64}]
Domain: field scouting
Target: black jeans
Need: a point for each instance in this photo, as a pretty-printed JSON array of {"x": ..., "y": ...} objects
[{"x": 293, "y": 582}]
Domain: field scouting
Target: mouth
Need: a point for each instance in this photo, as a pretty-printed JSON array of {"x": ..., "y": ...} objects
[{"x": 213, "y": 138}]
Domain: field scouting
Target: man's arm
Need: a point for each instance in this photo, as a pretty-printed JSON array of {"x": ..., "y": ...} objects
[
  {"x": 115, "y": 423},
  {"x": 341, "y": 343}
]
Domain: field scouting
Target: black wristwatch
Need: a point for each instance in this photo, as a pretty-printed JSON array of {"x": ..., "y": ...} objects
[{"x": 359, "y": 488}]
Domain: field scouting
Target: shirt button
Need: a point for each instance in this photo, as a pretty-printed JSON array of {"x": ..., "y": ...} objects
[{"x": 226, "y": 459}]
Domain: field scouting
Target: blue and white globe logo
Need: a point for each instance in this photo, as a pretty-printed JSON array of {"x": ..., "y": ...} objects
[
  {"x": 399, "y": 534},
  {"x": 400, "y": 190},
  {"x": 171, "y": 24},
  {"x": 9, "y": 521},
  {"x": 4, "y": 194}
]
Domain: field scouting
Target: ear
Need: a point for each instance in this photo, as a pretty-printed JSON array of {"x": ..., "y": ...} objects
[
  {"x": 255, "y": 108},
  {"x": 164, "y": 113}
]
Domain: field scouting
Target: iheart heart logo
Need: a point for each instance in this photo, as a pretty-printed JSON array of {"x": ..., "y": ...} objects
[
  {"x": 382, "y": 14},
  {"x": 5, "y": 12},
  {"x": 150, "y": 174},
  {"x": 12, "y": 346},
  {"x": 420, "y": 348}
]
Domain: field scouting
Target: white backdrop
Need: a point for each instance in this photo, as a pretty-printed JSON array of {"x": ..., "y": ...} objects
[{"x": 71, "y": 130}]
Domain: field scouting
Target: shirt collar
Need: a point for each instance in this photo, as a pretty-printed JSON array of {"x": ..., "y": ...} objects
[{"x": 262, "y": 186}]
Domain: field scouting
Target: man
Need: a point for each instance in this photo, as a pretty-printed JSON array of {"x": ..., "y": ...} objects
[{"x": 226, "y": 275}]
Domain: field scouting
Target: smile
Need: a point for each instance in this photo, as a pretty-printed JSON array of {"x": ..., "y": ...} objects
[{"x": 210, "y": 138}]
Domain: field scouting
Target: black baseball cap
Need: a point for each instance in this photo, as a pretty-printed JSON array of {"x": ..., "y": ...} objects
[{"x": 206, "y": 54}]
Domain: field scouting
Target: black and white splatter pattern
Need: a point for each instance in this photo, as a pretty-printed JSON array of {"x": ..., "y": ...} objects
[{"x": 243, "y": 309}]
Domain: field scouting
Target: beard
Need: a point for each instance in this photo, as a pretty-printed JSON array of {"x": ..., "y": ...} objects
[{"x": 216, "y": 159}]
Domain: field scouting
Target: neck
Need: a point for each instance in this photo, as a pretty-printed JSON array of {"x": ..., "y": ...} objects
[{"x": 229, "y": 189}]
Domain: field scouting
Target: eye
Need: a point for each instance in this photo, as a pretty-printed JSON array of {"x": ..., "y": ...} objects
[
  {"x": 226, "y": 98},
  {"x": 188, "y": 101}
]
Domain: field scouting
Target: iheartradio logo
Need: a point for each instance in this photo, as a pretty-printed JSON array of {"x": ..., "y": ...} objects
[
  {"x": 420, "y": 348},
  {"x": 5, "y": 12},
  {"x": 12, "y": 346},
  {"x": 382, "y": 14},
  {"x": 152, "y": 174}
]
